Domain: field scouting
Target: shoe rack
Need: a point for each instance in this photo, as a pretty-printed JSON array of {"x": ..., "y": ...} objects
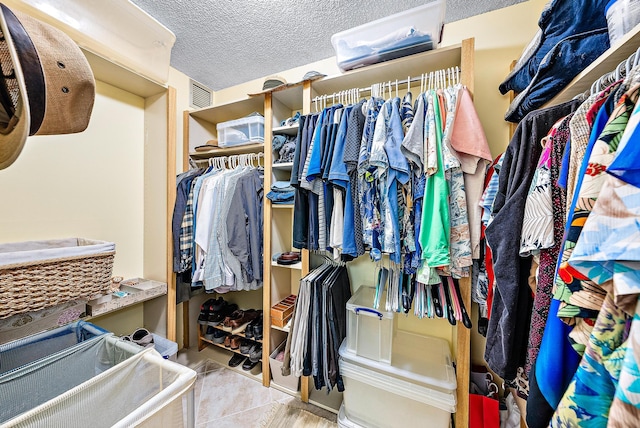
[{"x": 225, "y": 351}]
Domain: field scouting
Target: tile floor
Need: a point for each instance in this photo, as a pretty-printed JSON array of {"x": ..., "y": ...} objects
[{"x": 225, "y": 398}]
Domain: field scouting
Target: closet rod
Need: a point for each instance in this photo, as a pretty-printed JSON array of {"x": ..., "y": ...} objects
[
  {"x": 448, "y": 74},
  {"x": 620, "y": 71}
]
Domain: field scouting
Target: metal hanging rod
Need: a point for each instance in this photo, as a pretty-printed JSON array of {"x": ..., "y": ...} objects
[{"x": 432, "y": 79}]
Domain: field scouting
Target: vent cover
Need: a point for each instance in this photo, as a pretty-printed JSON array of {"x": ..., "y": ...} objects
[{"x": 199, "y": 95}]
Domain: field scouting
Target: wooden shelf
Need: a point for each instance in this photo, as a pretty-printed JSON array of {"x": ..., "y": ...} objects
[
  {"x": 296, "y": 266},
  {"x": 286, "y": 130},
  {"x": 220, "y": 356},
  {"x": 285, "y": 390},
  {"x": 231, "y": 110},
  {"x": 237, "y": 334},
  {"x": 219, "y": 345},
  {"x": 605, "y": 63},
  {"x": 282, "y": 207},
  {"x": 286, "y": 166},
  {"x": 412, "y": 65},
  {"x": 285, "y": 329},
  {"x": 226, "y": 151},
  {"x": 121, "y": 77}
]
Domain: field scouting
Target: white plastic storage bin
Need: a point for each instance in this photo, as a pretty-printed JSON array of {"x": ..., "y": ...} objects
[
  {"x": 344, "y": 421},
  {"x": 242, "y": 131},
  {"x": 290, "y": 382},
  {"x": 165, "y": 347},
  {"x": 419, "y": 385},
  {"x": 405, "y": 33},
  {"x": 369, "y": 331}
]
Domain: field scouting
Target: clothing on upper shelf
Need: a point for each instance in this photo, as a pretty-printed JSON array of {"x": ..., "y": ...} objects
[{"x": 220, "y": 241}]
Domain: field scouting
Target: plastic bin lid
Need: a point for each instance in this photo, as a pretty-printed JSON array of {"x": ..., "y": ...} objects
[
  {"x": 419, "y": 359},
  {"x": 361, "y": 302}
]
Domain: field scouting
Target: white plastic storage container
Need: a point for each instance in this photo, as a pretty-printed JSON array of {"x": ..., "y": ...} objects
[
  {"x": 290, "y": 382},
  {"x": 419, "y": 385},
  {"x": 237, "y": 132},
  {"x": 165, "y": 347},
  {"x": 344, "y": 421},
  {"x": 405, "y": 33},
  {"x": 369, "y": 330}
]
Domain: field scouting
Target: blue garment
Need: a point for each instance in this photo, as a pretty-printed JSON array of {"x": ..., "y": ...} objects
[
  {"x": 398, "y": 173},
  {"x": 557, "y": 360},
  {"x": 562, "y": 63},
  {"x": 564, "y": 167},
  {"x": 338, "y": 169},
  {"x": 559, "y": 20},
  {"x": 626, "y": 167}
]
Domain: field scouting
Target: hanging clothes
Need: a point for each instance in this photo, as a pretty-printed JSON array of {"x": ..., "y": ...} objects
[
  {"x": 319, "y": 325},
  {"x": 219, "y": 245}
]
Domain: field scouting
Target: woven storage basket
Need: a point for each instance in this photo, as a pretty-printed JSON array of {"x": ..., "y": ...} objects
[{"x": 38, "y": 274}]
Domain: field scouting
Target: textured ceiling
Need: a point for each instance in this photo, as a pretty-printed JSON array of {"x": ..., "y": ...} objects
[{"x": 221, "y": 43}]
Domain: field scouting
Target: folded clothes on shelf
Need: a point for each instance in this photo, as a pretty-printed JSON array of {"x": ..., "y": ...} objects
[
  {"x": 285, "y": 147},
  {"x": 281, "y": 193}
]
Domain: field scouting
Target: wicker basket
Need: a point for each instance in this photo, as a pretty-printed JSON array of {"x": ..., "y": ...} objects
[{"x": 38, "y": 274}]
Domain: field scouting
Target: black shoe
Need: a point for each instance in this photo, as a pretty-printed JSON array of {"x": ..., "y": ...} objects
[
  {"x": 257, "y": 330},
  {"x": 245, "y": 346},
  {"x": 210, "y": 332},
  {"x": 204, "y": 312},
  {"x": 248, "y": 364},
  {"x": 218, "y": 335},
  {"x": 256, "y": 353},
  {"x": 248, "y": 332},
  {"x": 236, "y": 360},
  {"x": 215, "y": 318}
]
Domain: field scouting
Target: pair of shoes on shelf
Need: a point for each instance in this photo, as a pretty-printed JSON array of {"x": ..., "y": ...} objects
[
  {"x": 216, "y": 317},
  {"x": 215, "y": 335},
  {"x": 254, "y": 329},
  {"x": 141, "y": 337},
  {"x": 249, "y": 347},
  {"x": 237, "y": 321},
  {"x": 232, "y": 341},
  {"x": 247, "y": 363},
  {"x": 208, "y": 307}
]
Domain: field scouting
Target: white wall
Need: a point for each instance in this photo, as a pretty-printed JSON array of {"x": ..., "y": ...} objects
[{"x": 86, "y": 185}]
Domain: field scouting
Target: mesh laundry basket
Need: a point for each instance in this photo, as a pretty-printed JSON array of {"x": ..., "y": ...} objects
[
  {"x": 31, "y": 348},
  {"x": 37, "y": 274},
  {"x": 99, "y": 384},
  {"x": 30, "y": 385}
]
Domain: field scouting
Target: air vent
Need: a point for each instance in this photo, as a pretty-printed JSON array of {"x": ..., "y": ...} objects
[{"x": 199, "y": 95}]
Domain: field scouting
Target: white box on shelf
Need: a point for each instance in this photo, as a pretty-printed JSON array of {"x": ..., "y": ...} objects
[
  {"x": 369, "y": 330},
  {"x": 419, "y": 385},
  {"x": 405, "y": 33},
  {"x": 246, "y": 130},
  {"x": 290, "y": 382}
]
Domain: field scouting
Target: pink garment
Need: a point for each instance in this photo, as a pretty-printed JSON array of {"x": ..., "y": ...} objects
[{"x": 469, "y": 144}]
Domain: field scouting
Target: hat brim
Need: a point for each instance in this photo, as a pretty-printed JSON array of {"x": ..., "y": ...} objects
[{"x": 13, "y": 137}]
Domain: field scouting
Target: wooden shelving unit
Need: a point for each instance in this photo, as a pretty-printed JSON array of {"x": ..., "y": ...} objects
[{"x": 280, "y": 280}]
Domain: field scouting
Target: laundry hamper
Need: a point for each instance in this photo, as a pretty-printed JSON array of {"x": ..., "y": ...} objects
[
  {"x": 37, "y": 274},
  {"x": 124, "y": 386},
  {"x": 31, "y": 348}
]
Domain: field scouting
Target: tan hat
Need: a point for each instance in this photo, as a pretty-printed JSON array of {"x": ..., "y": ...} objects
[{"x": 46, "y": 87}]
